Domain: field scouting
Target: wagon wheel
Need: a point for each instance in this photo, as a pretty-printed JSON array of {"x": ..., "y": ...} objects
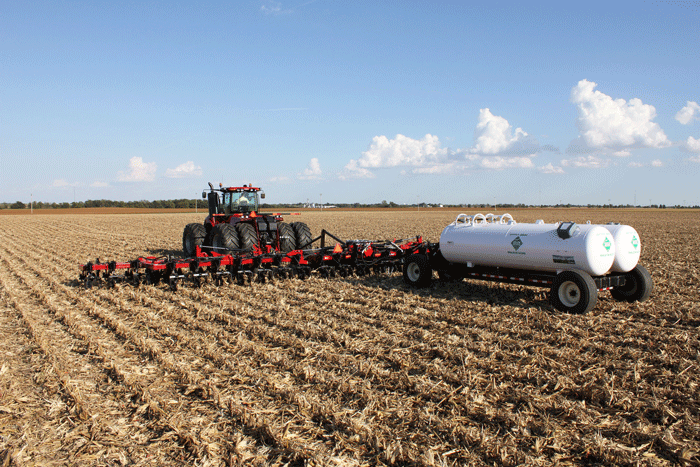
[
  {"x": 574, "y": 292},
  {"x": 638, "y": 286}
]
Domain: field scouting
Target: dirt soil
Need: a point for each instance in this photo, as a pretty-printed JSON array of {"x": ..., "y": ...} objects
[{"x": 343, "y": 371}]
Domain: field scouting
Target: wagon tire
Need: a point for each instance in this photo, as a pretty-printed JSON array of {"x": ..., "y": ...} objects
[
  {"x": 224, "y": 238},
  {"x": 192, "y": 236},
  {"x": 638, "y": 286},
  {"x": 417, "y": 271},
  {"x": 574, "y": 292}
]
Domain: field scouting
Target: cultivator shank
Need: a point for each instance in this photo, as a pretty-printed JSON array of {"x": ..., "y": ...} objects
[{"x": 342, "y": 258}]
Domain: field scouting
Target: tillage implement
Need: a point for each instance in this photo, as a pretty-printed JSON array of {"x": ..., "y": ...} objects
[{"x": 237, "y": 244}]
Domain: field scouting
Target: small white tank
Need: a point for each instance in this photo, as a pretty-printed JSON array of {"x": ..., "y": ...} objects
[
  {"x": 628, "y": 247},
  {"x": 500, "y": 241}
]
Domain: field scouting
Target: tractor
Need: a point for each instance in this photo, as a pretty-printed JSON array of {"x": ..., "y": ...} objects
[{"x": 235, "y": 225}]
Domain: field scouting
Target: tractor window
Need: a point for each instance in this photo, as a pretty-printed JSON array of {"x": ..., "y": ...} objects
[{"x": 245, "y": 202}]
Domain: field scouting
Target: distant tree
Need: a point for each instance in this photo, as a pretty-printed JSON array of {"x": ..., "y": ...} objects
[{"x": 18, "y": 205}]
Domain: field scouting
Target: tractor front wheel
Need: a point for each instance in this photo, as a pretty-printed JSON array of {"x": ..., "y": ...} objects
[
  {"x": 192, "y": 236},
  {"x": 287, "y": 237},
  {"x": 302, "y": 235},
  {"x": 224, "y": 238},
  {"x": 247, "y": 236}
]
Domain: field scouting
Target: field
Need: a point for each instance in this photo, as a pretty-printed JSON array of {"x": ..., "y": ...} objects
[{"x": 343, "y": 371}]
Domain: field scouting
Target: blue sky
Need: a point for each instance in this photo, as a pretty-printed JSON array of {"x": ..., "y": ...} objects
[{"x": 352, "y": 101}]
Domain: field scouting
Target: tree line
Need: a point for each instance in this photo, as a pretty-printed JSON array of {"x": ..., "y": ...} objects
[{"x": 191, "y": 203}]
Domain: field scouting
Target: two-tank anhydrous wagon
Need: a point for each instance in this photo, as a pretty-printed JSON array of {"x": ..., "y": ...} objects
[{"x": 574, "y": 261}]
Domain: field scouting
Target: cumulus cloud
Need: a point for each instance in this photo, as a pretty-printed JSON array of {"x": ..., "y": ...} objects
[
  {"x": 495, "y": 135},
  {"x": 623, "y": 153},
  {"x": 312, "y": 172},
  {"x": 586, "y": 162},
  {"x": 500, "y": 162},
  {"x": 551, "y": 169},
  {"x": 692, "y": 145},
  {"x": 186, "y": 170},
  {"x": 139, "y": 171},
  {"x": 688, "y": 113},
  {"x": 657, "y": 163},
  {"x": 604, "y": 122},
  {"x": 353, "y": 170},
  {"x": 496, "y": 146}
]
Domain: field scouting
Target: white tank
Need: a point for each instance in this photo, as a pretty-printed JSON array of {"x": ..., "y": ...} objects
[
  {"x": 628, "y": 247},
  {"x": 500, "y": 241}
]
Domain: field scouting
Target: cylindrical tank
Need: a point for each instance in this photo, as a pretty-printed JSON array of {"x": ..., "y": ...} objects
[
  {"x": 628, "y": 247},
  {"x": 539, "y": 246}
]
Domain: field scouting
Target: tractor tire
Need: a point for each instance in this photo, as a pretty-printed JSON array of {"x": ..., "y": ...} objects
[
  {"x": 287, "y": 237},
  {"x": 417, "y": 271},
  {"x": 247, "y": 236},
  {"x": 574, "y": 292},
  {"x": 192, "y": 236},
  {"x": 302, "y": 234},
  {"x": 224, "y": 239},
  {"x": 637, "y": 288}
]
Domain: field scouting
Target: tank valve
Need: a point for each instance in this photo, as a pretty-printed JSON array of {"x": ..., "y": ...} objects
[{"x": 567, "y": 230}]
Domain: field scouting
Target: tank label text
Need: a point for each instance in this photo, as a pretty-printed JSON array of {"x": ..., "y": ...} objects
[{"x": 563, "y": 259}]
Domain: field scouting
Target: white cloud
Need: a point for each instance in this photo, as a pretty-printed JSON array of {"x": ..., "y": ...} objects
[
  {"x": 657, "y": 163},
  {"x": 688, "y": 113},
  {"x": 62, "y": 183},
  {"x": 494, "y": 134},
  {"x": 312, "y": 172},
  {"x": 402, "y": 150},
  {"x": 139, "y": 171},
  {"x": 551, "y": 169},
  {"x": 623, "y": 153},
  {"x": 186, "y": 170},
  {"x": 99, "y": 184},
  {"x": 282, "y": 179},
  {"x": 495, "y": 142},
  {"x": 692, "y": 144},
  {"x": 586, "y": 162},
  {"x": 273, "y": 8},
  {"x": 499, "y": 162},
  {"x": 695, "y": 159},
  {"x": 353, "y": 170},
  {"x": 604, "y": 122}
]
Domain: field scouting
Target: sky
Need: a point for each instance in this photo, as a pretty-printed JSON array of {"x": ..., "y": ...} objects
[{"x": 341, "y": 102}]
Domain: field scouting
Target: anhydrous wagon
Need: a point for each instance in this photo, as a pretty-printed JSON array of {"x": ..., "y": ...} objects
[{"x": 574, "y": 261}]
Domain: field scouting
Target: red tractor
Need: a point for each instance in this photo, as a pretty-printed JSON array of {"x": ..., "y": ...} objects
[{"x": 234, "y": 224}]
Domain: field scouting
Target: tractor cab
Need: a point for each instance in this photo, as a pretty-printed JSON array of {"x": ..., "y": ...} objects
[
  {"x": 233, "y": 200},
  {"x": 240, "y": 202}
]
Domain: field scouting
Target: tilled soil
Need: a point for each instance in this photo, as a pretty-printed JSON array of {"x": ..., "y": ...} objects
[{"x": 344, "y": 371}]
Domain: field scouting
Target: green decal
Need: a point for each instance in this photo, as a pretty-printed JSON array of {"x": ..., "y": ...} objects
[
  {"x": 635, "y": 242},
  {"x": 607, "y": 244},
  {"x": 517, "y": 243}
]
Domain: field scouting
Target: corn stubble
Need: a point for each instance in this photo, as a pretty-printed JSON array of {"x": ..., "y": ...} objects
[{"x": 344, "y": 371}]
